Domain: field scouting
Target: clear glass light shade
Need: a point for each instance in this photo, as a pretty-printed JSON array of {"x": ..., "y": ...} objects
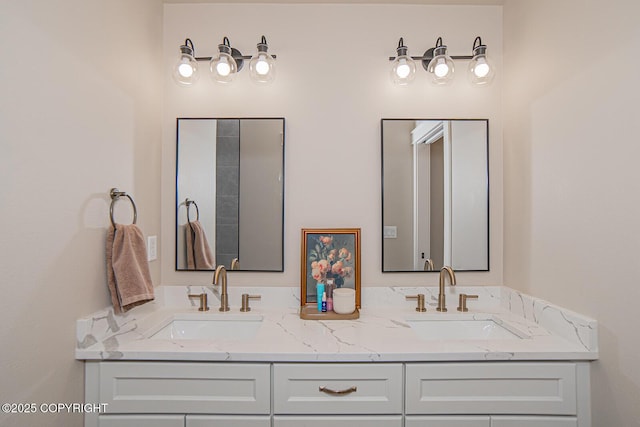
[
  {"x": 223, "y": 68},
  {"x": 481, "y": 70},
  {"x": 441, "y": 68},
  {"x": 403, "y": 70},
  {"x": 185, "y": 72},
  {"x": 262, "y": 67}
]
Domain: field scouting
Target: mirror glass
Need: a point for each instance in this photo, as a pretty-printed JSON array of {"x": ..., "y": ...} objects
[
  {"x": 230, "y": 194},
  {"x": 435, "y": 195}
]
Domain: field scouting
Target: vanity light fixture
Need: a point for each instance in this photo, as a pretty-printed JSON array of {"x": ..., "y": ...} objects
[
  {"x": 481, "y": 70},
  {"x": 185, "y": 72},
  {"x": 225, "y": 65},
  {"x": 262, "y": 65},
  {"x": 440, "y": 65},
  {"x": 403, "y": 69}
]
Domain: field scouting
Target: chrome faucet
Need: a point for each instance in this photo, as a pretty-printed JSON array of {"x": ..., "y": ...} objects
[
  {"x": 442, "y": 303},
  {"x": 220, "y": 277}
]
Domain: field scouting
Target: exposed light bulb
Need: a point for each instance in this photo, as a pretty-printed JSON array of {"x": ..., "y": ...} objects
[
  {"x": 223, "y": 68},
  {"x": 262, "y": 65},
  {"x": 481, "y": 70},
  {"x": 403, "y": 70},
  {"x": 185, "y": 72},
  {"x": 441, "y": 69}
]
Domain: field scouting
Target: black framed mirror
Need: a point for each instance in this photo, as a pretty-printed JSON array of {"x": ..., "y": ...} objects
[
  {"x": 230, "y": 194},
  {"x": 435, "y": 194}
]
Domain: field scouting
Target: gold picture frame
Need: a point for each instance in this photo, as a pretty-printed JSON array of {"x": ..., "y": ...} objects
[{"x": 328, "y": 253}]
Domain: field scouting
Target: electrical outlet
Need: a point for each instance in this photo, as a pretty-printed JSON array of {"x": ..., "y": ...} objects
[{"x": 152, "y": 248}]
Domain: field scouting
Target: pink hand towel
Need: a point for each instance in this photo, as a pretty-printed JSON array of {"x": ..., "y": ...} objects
[
  {"x": 128, "y": 273},
  {"x": 199, "y": 255}
]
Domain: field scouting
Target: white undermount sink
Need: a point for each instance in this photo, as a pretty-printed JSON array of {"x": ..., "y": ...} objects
[
  {"x": 230, "y": 327},
  {"x": 464, "y": 329}
]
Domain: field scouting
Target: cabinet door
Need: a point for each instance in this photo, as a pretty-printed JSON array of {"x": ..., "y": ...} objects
[
  {"x": 337, "y": 421},
  {"x": 228, "y": 421},
  {"x": 141, "y": 421},
  {"x": 497, "y": 421},
  {"x": 448, "y": 421}
]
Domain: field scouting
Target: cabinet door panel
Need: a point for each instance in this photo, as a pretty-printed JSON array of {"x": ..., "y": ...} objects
[
  {"x": 196, "y": 388},
  {"x": 337, "y": 421},
  {"x": 141, "y": 421},
  {"x": 227, "y": 421},
  {"x": 497, "y": 421},
  {"x": 447, "y": 421},
  {"x": 491, "y": 388}
]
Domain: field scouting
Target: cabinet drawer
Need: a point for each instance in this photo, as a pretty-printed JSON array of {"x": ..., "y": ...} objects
[
  {"x": 367, "y": 388},
  {"x": 338, "y": 421},
  {"x": 524, "y": 421},
  {"x": 491, "y": 388},
  {"x": 448, "y": 421},
  {"x": 228, "y": 421},
  {"x": 141, "y": 421},
  {"x": 150, "y": 387}
]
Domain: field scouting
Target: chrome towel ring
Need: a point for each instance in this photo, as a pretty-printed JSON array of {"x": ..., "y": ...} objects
[
  {"x": 189, "y": 203},
  {"x": 115, "y": 195}
]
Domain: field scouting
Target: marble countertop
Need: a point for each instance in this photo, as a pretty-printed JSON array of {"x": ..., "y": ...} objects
[{"x": 381, "y": 334}]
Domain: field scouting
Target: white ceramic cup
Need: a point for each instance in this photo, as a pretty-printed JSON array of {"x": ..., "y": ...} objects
[{"x": 344, "y": 300}]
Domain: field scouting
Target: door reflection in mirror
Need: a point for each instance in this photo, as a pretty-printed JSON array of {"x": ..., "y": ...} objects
[{"x": 435, "y": 195}]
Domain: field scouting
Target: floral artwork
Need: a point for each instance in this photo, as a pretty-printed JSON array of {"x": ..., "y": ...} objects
[
  {"x": 330, "y": 254},
  {"x": 327, "y": 261}
]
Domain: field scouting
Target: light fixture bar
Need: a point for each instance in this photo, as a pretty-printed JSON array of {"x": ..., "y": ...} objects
[
  {"x": 243, "y": 57},
  {"x": 418, "y": 58},
  {"x": 225, "y": 64},
  {"x": 440, "y": 66}
]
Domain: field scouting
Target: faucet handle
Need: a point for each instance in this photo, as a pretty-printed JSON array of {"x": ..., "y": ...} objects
[
  {"x": 203, "y": 301},
  {"x": 420, "y": 297},
  {"x": 245, "y": 302},
  {"x": 462, "y": 301}
]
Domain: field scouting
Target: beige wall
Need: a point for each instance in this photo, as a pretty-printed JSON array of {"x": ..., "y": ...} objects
[
  {"x": 571, "y": 175},
  {"x": 79, "y": 114},
  {"x": 333, "y": 88}
]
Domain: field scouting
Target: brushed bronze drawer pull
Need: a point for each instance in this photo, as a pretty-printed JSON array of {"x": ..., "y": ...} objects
[{"x": 338, "y": 392}]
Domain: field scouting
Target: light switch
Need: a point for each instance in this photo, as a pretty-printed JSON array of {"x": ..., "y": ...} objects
[
  {"x": 390, "y": 232},
  {"x": 152, "y": 248}
]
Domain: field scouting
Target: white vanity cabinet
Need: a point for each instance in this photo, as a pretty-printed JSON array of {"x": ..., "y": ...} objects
[{"x": 411, "y": 394}]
